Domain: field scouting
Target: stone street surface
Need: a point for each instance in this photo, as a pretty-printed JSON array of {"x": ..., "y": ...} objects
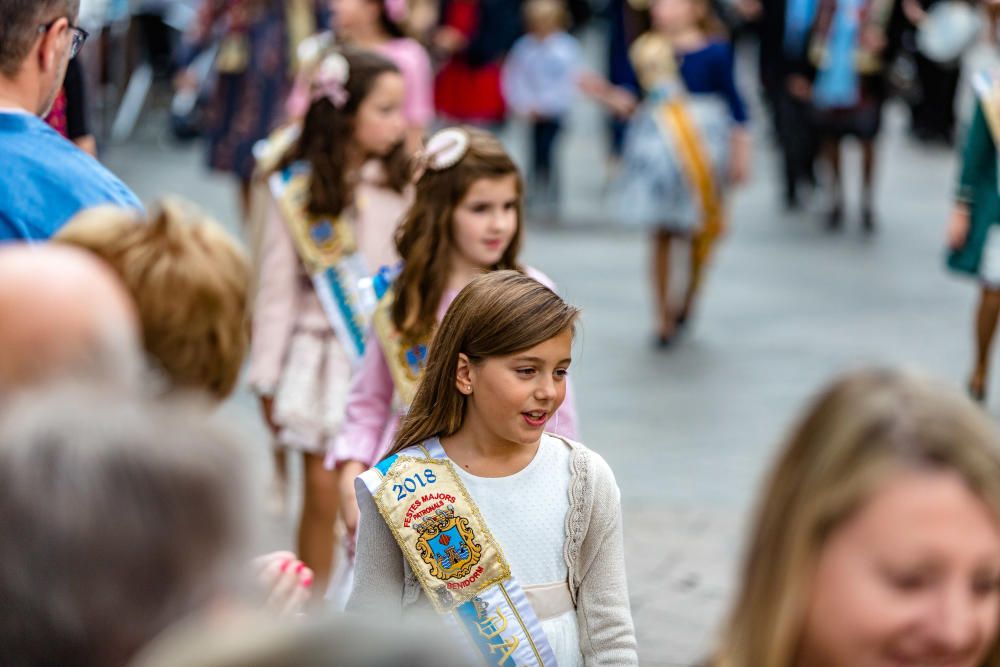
[{"x": 690, "y": 431}]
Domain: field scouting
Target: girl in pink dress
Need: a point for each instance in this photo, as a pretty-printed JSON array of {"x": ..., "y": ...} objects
[
  {"x": 377, "y": 25},
  {"x": 465, "y": 220},
  {"x": 337, "y": 197}
]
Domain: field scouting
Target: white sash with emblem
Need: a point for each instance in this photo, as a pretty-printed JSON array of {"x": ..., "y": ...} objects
[
  {"x": 328, "y": 251},
  {"x": 456, "y": 559}
]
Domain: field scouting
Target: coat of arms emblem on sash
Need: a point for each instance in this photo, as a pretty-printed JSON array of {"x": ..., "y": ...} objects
[{"x": 447, "y": 544}]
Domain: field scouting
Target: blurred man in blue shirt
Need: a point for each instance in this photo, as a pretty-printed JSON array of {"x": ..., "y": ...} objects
[{"x": 44, "y": 179}]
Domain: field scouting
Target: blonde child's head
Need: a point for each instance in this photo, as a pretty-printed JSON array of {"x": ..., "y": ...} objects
[
  {"x": 189, "y": 280},
  {"x": 545, "y": 16},
  {"x": 865, "y": 434},
  {"x": 480, "y": 194},
  {"x": 496, "y": 316}
]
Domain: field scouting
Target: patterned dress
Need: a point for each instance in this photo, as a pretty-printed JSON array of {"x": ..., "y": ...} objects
[
  {"x": 654, "y": 190},
  {"x": 254, "y": 76}
]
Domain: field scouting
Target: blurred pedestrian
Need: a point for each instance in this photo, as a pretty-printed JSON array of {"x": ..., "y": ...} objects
[
  {"x": 337, "y": 196},
  {"x": 257, "y": 44},
  {"x": 933, "y": 112},
  {"x": 64, "y": 315},
  {"x": 541, "y": 77},
  {"x": 466, "y": 219},
  {"x": 473, "y": 38},
  {"x": 379, "y": 25},
  {"x": 189, "y": 280},
  {"x": 785, "y": 72},
  {"x": 876, "y": 538},
  {"x": 973, "y": 235},
  {"x": 848, "y": 92},
  {"x": 684, "y": 147},
  {"x": 45, "y": 179},
  {"x": 475, "y": 437}
]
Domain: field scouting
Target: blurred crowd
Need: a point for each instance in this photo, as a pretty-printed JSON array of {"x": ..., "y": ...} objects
[{"x": 379, "y": 311}]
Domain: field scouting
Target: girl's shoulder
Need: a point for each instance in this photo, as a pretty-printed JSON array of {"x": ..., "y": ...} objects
[
  {"x": 404, "y": 51},
  {"x": 590, "y": 469}
]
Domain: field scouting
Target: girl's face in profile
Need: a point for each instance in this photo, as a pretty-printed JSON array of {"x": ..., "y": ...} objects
[
  {"x": 485, "y": 221},
  {"x": 912, "y": 579},
  {"x": 379, "y": 123},
  {"x": 513, "y": 397}
]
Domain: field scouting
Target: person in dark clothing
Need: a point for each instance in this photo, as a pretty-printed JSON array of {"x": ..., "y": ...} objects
[
  {"x": 933, "y": 113},
  {"x": 785, "y": 29},
  {"x": 68, "y": 116}
]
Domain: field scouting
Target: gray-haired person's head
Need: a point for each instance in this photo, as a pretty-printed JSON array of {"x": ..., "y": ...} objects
[{"x": 118, "y": 517}]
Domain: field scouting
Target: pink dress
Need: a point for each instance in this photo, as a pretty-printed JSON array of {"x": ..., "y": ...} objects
[
  {"x": 371, "y": 420},
  {"x": 295, "y": 355},
  {"x": 413, "y": 62}
]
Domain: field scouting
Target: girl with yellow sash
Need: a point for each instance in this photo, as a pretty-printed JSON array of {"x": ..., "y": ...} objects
[
  {"x": 336, "y": 197},
  {"x": 684, "y": 146},
  {"x": 513, "y": 535},
  {"x": 465, "y": 220}
]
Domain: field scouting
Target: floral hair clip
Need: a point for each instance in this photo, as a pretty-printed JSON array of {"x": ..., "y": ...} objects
[
  {"x": 445, "y": 149},
  {"x": 330, "y": 80},
  {"x": 397, "y": 10}
]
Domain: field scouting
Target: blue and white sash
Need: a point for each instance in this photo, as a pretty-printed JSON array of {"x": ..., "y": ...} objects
[
  {"x": 459, "y": 564},
  {"x": 329, "y": 254}
]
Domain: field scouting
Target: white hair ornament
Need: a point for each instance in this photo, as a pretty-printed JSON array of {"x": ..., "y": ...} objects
[
  {"x": 331, "y": 78},
  {"x": 445, "y": 149}
]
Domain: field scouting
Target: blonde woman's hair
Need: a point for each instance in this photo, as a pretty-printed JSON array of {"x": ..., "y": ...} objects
[
  {"x": 496, "y": 315},
  {"x": 189, "y": 280},
  {"x": 862, "y": 429}
]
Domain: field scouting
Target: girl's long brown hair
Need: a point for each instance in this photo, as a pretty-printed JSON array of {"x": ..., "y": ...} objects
[
  {"x": 864, "y": 427},
  {"x": 496, "y": 315},
  {"x": 328, "y": 132},
  {"x": 424, "y": 239}
]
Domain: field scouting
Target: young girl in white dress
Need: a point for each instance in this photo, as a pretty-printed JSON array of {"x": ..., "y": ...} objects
[{"x": 496, "y": 372}]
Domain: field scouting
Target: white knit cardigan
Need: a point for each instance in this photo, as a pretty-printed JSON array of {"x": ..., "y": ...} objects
[{"x": 593, "y": 551}]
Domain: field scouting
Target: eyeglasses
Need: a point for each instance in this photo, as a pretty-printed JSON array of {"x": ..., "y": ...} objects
[{"x": 79, "y": 36}]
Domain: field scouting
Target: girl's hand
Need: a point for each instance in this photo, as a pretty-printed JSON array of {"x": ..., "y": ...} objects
[
  {"x": 286, "y": 580},
  {"x": 958, "y": 226},
  {"x": 346, "y": 472},
  {"x": 267, "y": 411}
]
